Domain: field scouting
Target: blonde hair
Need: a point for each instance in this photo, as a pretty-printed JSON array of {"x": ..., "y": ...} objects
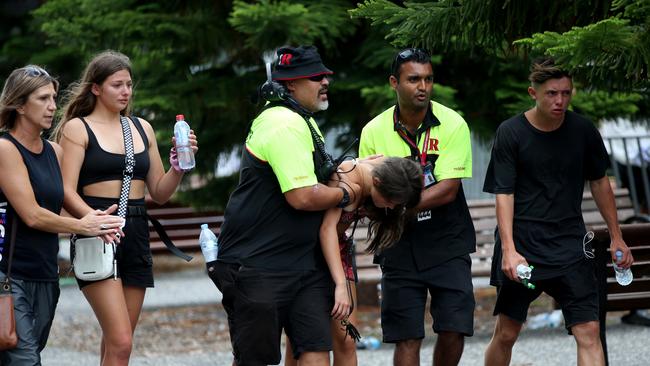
[
  {"x": 79, "y": 99},
  {"x": 18, "y": 86}
]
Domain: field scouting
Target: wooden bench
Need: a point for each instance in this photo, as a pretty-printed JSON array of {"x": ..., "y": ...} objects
[
  {"x": 182, "y": 224},
  {"x": 614, "y": 297},
  {"x": 483, "y": 214}
]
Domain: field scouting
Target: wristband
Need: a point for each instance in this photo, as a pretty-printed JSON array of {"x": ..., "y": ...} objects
[
  {"x": 173, "y": 160},
  {"x": 345, "y": 200}
]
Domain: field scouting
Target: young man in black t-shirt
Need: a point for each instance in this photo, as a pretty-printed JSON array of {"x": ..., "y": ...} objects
[{"x": 540, "y": 161}]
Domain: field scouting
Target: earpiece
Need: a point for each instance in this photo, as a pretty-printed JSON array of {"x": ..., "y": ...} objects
[{"x": 273, "y": 91}]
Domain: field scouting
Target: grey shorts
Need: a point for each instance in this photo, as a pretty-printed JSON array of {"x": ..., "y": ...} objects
[{"x": 34, "y": 306}]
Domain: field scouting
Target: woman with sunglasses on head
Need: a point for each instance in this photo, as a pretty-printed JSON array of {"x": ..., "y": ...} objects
[
  {"x": 31, "y": 197},
  {"x": 92, "y": 138},
  {"x": 383, "y": 189}
]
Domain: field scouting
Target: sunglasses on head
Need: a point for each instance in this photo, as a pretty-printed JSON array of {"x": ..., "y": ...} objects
[
  {"x": 317, "y": 78},
  {"x": 410, "y": 52},
  {"x": 407, "y": 55},
  {"x": 34, "y": 71}
]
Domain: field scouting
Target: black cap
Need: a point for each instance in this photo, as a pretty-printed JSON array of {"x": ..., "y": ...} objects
[{"x": 299, "y": 63}]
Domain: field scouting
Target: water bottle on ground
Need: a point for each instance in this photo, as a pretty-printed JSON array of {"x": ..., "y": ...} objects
[
  {"x": 209, "y": 244},
  {"x": 552, "y": 319},
  {"x": 369, "y": 343},
  {"x": 183, "y": 147},
  {"x": 623, "y": 275}
]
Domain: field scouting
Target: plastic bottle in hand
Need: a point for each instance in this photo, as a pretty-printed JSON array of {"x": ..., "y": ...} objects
[
  {"x": 524, "y": 273},
  {"x": 623, "y": 275},
  {"x": 183, "y": 147},
  {"x": 209, "y": 244}
]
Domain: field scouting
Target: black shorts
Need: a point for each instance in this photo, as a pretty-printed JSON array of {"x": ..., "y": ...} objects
[
  {"x": 223, "y": 276},
  {"x": 575, "y": 291},
  {"x": 134, "y": 259},
  {"x": 404, "y": 297},
  {"x": 265, "y": 302}
]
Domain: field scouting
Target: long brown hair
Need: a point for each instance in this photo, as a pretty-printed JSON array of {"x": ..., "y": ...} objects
[
  {"x": 79, "y": 99},
  {"x": 18, "y": 86},
  {"x": 400, "y": 180}
]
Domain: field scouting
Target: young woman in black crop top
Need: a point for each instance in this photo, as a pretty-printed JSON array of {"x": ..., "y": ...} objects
[
  {"x": 92, "y": 138},
  {"x": 31, "y": 195}
]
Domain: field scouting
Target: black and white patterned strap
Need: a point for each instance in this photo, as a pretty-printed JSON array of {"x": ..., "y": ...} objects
[{"x": 129, "y": 162}]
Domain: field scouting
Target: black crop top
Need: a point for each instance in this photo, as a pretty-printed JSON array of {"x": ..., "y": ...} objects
[{"x": 100, "y": 165}]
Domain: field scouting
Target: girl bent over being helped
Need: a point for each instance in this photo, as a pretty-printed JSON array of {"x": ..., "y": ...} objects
[{"x": 382, "y": 189}]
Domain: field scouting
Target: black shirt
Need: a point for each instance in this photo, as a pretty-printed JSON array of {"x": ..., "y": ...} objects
[
  {"x": 100, "y": 165},
  {"x": 439, "y": 234},
  {"x": 35, "y": 251},
  {"x": 262, "y": 230},
  {"x": 546, "y": 172}
]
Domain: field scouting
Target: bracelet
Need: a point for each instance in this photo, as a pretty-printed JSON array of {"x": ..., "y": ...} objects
[{"x": 345, "y": 200}]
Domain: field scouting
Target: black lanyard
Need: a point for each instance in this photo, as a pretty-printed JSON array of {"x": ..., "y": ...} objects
[{"x": 413, "y": 146}]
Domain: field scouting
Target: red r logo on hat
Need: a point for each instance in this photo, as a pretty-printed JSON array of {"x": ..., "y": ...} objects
[{"x": 285, "y": 59}]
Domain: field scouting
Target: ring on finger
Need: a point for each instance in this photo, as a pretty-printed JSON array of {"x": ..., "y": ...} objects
[{"x": 102, "y": 226}]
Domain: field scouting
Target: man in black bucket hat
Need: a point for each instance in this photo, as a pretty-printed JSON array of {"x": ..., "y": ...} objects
[{"x": 270, "y": 269}]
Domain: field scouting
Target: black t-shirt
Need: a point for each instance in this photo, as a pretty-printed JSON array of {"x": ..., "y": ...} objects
[
  {"x": 546, "y": 172},
  {"x": 35, "y": 251},
  {"x": 262, "y": 230}
]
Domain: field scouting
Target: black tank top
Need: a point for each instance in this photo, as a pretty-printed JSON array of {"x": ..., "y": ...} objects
[
  {"x": 100, "y": 165},
  {"x": 35, "y": 251}
]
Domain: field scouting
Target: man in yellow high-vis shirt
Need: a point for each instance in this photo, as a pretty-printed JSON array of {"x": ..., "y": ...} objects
[
  {"x": 432, "y": 256},
  {"x": 270, "y": 269}
]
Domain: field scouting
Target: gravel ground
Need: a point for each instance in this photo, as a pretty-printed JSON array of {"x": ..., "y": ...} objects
[{"x": 184, "y": 324}]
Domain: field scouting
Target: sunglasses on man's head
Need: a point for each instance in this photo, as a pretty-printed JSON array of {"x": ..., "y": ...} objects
[
  {"x": 317, "y": 78},
  {"x": 34, "y": 71},
  {"x": 407, "y": 55},
  {"x": 410, "y": 52}
]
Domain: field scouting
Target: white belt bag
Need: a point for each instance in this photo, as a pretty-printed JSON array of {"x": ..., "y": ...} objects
[{"x": 94, "y": 260}]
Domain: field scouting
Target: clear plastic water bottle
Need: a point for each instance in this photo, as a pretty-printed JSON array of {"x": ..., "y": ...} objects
[
  {"x": 524, "y": 273},
  {"x": 209, "y": 244},
  {"x": 623, "y": 275},
  {"x": 183, "y": 147}
]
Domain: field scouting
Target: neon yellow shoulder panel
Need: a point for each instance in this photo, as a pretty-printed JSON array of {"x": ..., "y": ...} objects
[
  {"x": 450, "y": 141},
  {"x": 281, "y": 138}
]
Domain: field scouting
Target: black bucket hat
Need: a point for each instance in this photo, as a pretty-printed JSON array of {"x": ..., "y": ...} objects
[{"x": 299, "y": 63}]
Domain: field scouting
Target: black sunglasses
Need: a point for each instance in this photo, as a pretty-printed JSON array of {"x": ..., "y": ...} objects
[
  {"x": 409, "y": 52},
  {"x": 408, "y": 55},
  {"x": 34, "y": 71},
  {"x": 317, "y": 78}
]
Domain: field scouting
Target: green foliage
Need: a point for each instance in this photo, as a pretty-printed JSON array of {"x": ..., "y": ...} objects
[
  {"x": 599, "y": 105},
  {"x": 611, "y": 53},
  {"x": 269, "y": 24},
  {"x": 605, "y": 44}
]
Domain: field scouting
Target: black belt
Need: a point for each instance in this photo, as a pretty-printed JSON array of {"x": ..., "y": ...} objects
[
  {"x": 167, "y": 241},
  {"x": 136, "y": 211}
]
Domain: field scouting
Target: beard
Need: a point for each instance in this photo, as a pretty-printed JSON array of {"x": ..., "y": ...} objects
[{"x": 323, "y": 105}]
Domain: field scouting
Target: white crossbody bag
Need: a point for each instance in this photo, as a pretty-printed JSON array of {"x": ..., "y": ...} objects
[{"x": 94, "y": 260}]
